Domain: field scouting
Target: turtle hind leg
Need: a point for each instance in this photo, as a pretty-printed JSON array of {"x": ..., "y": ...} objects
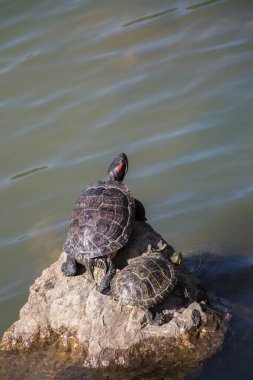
[
  {"x": 69, "y": 267},
  {"x": 153, "y": 318},
  {"x": 110, "y": 272}
]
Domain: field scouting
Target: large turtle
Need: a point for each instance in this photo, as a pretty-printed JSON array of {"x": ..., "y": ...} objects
[
  {"x": 146, "y": 282},
  {"x": 101, "y": 222}
]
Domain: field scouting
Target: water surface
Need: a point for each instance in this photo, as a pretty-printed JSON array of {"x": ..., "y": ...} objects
[{"x": 169, "y": 83}]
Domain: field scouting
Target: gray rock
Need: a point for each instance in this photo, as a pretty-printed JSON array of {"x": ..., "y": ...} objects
[{"x": 71, "y": 312}]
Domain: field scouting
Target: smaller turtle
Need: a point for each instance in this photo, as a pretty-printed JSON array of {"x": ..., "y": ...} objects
[{"x": 146, "y": 282}]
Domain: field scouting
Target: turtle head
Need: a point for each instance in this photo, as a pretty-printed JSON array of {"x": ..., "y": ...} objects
[
  {"x": 118, "y": 168},
  {"x": 175, "y": 258}
]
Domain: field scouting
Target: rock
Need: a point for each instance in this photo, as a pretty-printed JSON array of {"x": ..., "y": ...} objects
[{"x": 71, "y": 312}]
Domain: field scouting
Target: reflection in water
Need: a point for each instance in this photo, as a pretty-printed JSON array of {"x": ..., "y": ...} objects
[
  {"x": 150, "y": 17},
  {"x": 202, "y": 4},
  {"x": 28, "y": 172},
  {"x": 167, "y": 11},
  {"x": 230, "y": 283}
]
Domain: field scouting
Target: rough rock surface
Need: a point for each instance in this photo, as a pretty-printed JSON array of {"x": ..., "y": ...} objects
[{"x": 72, "y": 312}]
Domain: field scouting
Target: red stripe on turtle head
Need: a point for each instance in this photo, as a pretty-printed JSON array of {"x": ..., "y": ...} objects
[{"x": 119, "y": 167}]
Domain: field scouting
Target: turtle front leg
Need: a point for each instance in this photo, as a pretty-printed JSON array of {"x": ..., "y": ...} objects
[
  {"x": 69, "y": 267},
  {"x": 109, "y": 273},
  {"x": 153, "y": 318}
]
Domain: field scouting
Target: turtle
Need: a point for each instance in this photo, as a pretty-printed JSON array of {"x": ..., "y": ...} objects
[
  {"x": 101, "y": 222},
  {"x": 147, "y": 281}
]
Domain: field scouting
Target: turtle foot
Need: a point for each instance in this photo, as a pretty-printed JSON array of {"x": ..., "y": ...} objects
[
  {"x": 158, "y": 320},
  {"x": 110, "y": 272},
  {"x": 154, "y": 319},
  {"x": 103, "y": 289},
  {"x": 69, "y": 267}
]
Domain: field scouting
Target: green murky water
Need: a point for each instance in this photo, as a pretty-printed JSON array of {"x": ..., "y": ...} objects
[{"x": 168, "y": 82}]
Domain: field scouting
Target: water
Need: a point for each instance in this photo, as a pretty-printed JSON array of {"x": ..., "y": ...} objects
[{"x": 169, "y": 83}]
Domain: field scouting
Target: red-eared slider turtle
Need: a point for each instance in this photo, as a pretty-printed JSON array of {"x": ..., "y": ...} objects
[
  {"x": 102, "y": 222},
  {"x": 146, "y": 282}
]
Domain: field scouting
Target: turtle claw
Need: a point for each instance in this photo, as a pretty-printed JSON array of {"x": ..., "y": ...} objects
[
  {"x": 103, "y": 290},
  {"x": 110, "y": 271},
  {"x": 144, "y": 322},
  {"x": 157, "y": 319}
]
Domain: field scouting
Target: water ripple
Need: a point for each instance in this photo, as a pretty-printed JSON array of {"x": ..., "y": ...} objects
[
  {"x": 170, "y": 84},
  {"x": 34, "y": 232},
  {"x": 161, "y": 167},
  {"x": 7, "y": 292},
  {"x": 171, "y": 134}
]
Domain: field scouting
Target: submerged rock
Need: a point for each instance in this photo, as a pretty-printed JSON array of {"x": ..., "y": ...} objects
[{"x": 70, "y": 312}]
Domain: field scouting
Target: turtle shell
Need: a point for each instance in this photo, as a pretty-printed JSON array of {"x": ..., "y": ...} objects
[
  {"x": 145, "y": 282},
  {"x": 101, "y": 221}
]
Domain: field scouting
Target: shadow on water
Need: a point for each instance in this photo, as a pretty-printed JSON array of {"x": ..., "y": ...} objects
[{"x": 229, "y": 280}]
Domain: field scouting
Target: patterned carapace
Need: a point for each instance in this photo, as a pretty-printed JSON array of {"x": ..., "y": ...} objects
[{"x": 101, "y": 221}]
